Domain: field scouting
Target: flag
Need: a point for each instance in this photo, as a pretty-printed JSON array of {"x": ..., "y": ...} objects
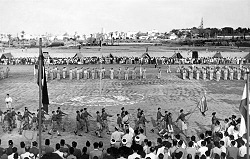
[
  {"x": 45, "y": 97},
  {"x": 243, "y": 111},
  {"x": 202, "y": 105}
]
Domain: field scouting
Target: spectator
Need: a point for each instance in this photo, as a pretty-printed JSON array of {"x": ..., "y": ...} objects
[
  {"x": 63, "y": 149},
  {"x": 84, "y": 153},
  {"x": 108, "y": 155},
  {"x": 151, "y": 154},
  {"x": 232, "y": 151},
  {"x": 1, "y": 149},
  {"x": 135, "y": 153},
  {"x": 9, "y": 150},
  {"x": 71, "y": 153},
  {"x": 202, "y": 149},
  {"x": 34, "y": 150},
  {"x": 191, "y": 150},
  {"x": 52, "y": 156},
  {"x": 47, "y": 148},
  {"x": 58, "y": 150},
  {"x": 27, "y": 152},
  {"x": 96, "y": 152},
  {"x": 77, "y": 152},
  {"x": 22, "y": 148},
  {"x": 14, "y": 150}
]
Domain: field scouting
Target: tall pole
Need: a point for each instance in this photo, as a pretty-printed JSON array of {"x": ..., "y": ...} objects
[
  {"x": 100, "y": 89},
  {"x": 40, "y": 96},
  {"x": 248, "y": 114}
]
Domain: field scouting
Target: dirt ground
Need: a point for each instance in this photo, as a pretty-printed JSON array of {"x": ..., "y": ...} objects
[{"x": 170, "y": 93}]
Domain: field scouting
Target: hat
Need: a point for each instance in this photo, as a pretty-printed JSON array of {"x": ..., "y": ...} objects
[
  {"x": 116, "y": 127},
  {"x": 137, "y": 138},
  {"x": 124, "y": 141},
  {"x": 213, "y": 113},
  {"x": 112, "y": 141}
]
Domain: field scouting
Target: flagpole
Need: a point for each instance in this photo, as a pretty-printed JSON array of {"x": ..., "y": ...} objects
[
  {"x": 247, "y": 92},
  {"x": 40, "y": 95}
]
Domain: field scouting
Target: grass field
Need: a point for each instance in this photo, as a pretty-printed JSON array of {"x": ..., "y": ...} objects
[{"x": 170, "y": 93}]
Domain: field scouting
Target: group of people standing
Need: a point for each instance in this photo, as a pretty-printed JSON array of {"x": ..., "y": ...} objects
[
  {"x": 214, "y": 72},
  {"x": 95, "y": 73}
]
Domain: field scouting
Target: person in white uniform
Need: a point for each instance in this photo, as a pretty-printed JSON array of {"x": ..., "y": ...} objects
[{"x": 8, "y": 101}]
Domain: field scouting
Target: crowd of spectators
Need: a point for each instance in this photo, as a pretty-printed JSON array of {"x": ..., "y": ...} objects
[{"x": 221, "y": 142}]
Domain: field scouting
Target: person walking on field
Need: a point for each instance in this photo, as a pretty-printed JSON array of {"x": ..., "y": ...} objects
[
  {"x": 183, "y": 121},
  {"x": 8, "y": 101},
  {"x": 86, "y": 119},
  {"x": 105, "y": 116}
]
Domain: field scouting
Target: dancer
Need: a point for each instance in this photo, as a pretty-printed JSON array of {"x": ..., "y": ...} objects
[{"x": 183, "y": 121}]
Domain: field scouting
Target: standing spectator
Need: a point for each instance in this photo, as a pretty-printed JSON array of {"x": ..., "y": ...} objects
[
  {"x": 77, "y": 152},
  {"x": 191, "y": 149},
  {"x": 22, "y": 148},
  {"x": 58, "y": 150},
  {"x": 1, "y": 149},
  {"x": 9, "y": 150},
  {"x": 27, "y": 153},
  {"x": 62, "y": 146},
  {"x": 34, "y": 150},
  {"x": 11, "y": 156},
  {"x": 95, "y": 152},
  {"x": 232, "y": 151},
  {"x": 84, "y": 153},
  {"x": 8, "y": 101},
  {"x": 47, "y": 148},
  {"x": 71, "y": 152}
]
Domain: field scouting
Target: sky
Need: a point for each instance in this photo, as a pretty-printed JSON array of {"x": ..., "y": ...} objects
[{"x": 90, "y": 16}]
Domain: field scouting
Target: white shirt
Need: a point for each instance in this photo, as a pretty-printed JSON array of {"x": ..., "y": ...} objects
[
  {"x": 151, "y": 155},
  {"x": 8, "y": 99},
  {"x": 26, "y": 154},
  {"x": 159, "y": 151},
  {"x": 242, "y": 151},
  {"x": 202, "y": 150},
  {"x": 12, "y": 156},
  {"x": 133, "y": 156},
  {"x": 129, "y": 139},
  {"x": 131, "y": 131},
  {"x": 230, "y": 130},
  {"x": 117, "y": 136},
  {"x": 223, "y": 149},
  {"x": 59, "y": 153}
]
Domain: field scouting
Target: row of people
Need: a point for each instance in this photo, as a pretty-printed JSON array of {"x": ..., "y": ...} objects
[
  {"x": 217, "y": 73},
  {"x": 94, "y": 73}
]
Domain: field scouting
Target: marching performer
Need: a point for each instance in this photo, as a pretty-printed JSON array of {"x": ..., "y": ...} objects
[
  {"x": 55, "y": 126},
  {"x": 159, "y": 73}
]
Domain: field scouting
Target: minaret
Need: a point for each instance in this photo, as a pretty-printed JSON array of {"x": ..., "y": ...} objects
[{"x": 201, "y": 25}]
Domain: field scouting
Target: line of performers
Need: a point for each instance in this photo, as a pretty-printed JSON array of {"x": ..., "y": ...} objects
[
  {"x": 217, "y": 72},
  {"x": 95, "y": 73},
  {"x": 29, "y": 120}
]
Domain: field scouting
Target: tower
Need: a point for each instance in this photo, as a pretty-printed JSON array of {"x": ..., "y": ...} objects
[{"x": 201, "y": 25}]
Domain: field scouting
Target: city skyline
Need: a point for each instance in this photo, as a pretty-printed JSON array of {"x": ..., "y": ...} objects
[{"x": 85, "y": 17}]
